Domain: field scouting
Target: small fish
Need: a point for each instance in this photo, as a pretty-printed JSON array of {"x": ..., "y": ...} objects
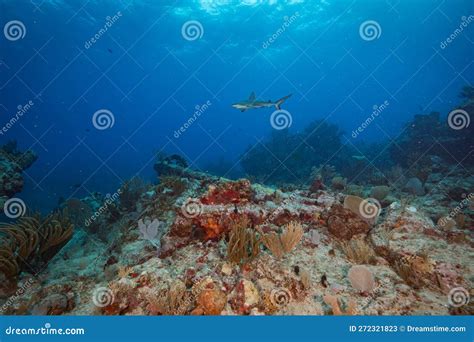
[
  {"x": 110, "y": 50},
  {"x": 297, "y": 270},
  {"x": 359, "y": 157},
  {"x": 77, "y": 186},
  {"x": 324, "y": 281},
  {"x": 253, "y": 103}
]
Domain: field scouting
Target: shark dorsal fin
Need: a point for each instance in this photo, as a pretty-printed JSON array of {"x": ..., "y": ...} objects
[{"x": 252, "y": 97}]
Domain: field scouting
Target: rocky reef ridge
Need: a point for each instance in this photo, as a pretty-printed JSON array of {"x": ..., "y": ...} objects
[{"x": 197, "y": 244}]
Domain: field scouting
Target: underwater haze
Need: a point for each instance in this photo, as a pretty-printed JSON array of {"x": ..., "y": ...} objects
[
  {"x": 151, "y": 78},
  {"x": 220, "y": 157}
]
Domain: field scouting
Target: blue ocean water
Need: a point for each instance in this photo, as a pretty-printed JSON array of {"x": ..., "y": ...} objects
[{"x": 150, "y": 63}]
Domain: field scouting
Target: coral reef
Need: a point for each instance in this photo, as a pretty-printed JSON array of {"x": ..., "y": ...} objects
[
  {"x": 361, "y": 278},
  {"x": 281, "y": 244},
  {"x": 344, "y": 223},
  {"x": 29, "y": 244},
  {"x": 358, "y": 251},
  {"x": 12, "y": 164},
  {"x": 300, "y": 153},
  {"x": 200, "y": 245},
  {"x": 333, "y": 302},
  {"x": 131, "y": 192},
  {"x": 414, "y": 186},
  {"x": 356, "y": 236},
  {"x": 429, "y": 134},
  {"x": 243, "y": 245},
  {"x": 379, "y": 192}
]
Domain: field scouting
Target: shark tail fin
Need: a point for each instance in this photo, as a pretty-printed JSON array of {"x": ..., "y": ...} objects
[{"x": 280, "y": 101}]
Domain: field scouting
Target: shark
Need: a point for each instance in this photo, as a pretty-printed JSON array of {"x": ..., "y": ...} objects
[{"x": 253, "y": 103}]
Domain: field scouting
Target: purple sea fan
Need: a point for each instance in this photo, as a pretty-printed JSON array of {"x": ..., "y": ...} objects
[
  {"x": 361, "y": 278},
  {"x": 149, "y": 229}
]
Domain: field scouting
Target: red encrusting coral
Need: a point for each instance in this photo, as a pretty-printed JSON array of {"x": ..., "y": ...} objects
[{"x": 229, "y": 192}]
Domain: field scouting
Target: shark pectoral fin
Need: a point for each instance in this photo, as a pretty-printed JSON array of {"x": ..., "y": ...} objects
[
  {"x": 242, "y": 110},
  {"x": 252, "y": 97}
]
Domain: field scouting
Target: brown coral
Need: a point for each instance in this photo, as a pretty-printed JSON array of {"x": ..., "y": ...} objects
[
  {"x": 280, "y": 244},
  {"x": 170, "y": 299},
  {"x": 243, "y": 243},
  {"x": 210, "y": 302},
  {"x": 367, "y": 209},
  {"x": 55, "y": 231},
  {"x": 415, "y": 270},
  {"x": 31, "y": 240},
  {"x": 333, "y": 302},
  {"x": 8, "y": 264},
  {"x": 344, "y": 224},
  {"x": 358, "y": 251}
]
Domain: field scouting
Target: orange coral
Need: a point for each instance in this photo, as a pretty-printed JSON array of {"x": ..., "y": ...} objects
[
  {"x": 210, "y": 302},
  {"x": 212, "y": 229},
  {"x": 333, "y": 302}
]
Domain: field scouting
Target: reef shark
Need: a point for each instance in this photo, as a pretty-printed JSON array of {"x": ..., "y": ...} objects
[{"x": 253, "y": 103}]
